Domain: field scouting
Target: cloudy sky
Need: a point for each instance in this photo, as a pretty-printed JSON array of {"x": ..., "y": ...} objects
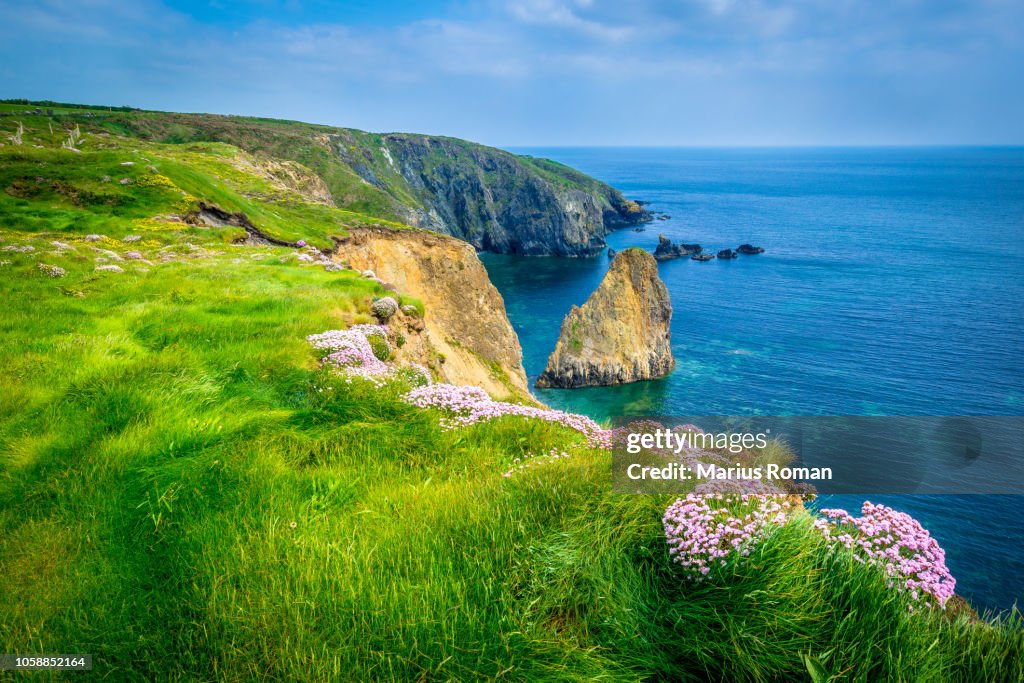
[{"x": 546, "y": 72}]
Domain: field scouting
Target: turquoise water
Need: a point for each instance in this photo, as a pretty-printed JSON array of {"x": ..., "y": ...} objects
[{"x": 892, "y": 284}]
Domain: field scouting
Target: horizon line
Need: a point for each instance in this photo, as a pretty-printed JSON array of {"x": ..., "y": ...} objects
[
  {"x": 793, "y": 145},
  {"x": 508, "y": 146}
]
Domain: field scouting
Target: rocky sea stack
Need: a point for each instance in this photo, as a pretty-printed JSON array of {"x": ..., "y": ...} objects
[{"x": 621, "y": 334}]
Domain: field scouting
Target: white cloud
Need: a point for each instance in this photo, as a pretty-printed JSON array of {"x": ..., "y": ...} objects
[{"x": 564, "y": 15}]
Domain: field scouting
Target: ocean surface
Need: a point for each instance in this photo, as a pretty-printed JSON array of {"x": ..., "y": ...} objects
[{"x": 892, "y": 284}]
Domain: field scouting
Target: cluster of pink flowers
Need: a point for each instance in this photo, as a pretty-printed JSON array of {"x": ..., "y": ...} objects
[
  {"x": 370, "y": 330},
  {"x": 471, "y": 405},
  {"x": 51, "y": 271},
  {"x": 350, "y": 352},
  {"x": 708, "y": 531},
  {"x": 336, "y": 340},
  {"x": 895, "y": 541},
  {"x": 417, "y": 374},
  {"x": 454, "y": 399},
  {"x": 311, "y": 255}
]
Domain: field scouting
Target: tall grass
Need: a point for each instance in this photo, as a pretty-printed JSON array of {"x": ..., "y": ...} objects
[{"x": 185, "y": 495}]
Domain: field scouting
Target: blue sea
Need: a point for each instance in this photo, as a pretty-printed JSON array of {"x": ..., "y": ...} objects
[{"x": 892, "y": 284}]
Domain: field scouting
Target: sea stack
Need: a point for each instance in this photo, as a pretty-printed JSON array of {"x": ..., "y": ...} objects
[{"x": 621, "y": 334}]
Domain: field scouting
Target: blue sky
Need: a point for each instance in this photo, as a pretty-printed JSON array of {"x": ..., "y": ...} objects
[{"x": 546, "y": 72}]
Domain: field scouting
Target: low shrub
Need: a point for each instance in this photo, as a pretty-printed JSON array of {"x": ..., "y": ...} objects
[{"x": 384, "y": 307}]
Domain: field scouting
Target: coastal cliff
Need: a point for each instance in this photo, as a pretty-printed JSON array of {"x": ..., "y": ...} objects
[
  {"x": 493, "y": 199},
  {"x": 466, "y": 336},
  {"x": 621, "y": 333}
]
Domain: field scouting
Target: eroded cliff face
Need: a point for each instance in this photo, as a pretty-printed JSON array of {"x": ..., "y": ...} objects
[
  {"x": 621, "y": 334},
  {"x": 466, "y": 335},
  {"x": 495, "y": 200},
  {"x": 491, "y": 198}
]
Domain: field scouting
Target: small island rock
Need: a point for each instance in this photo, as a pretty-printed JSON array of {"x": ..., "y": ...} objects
[
  {"x": 749, "y": 249},
  {"x": 621, "y": 333},
  {"x": 667, "y": 250}
]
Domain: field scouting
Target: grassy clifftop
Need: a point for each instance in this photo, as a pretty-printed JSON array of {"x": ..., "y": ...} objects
[
  {"x": 493, "y": 199},
  {"x": 130, "y": 184},
  {"x": 187, "y": 495}
]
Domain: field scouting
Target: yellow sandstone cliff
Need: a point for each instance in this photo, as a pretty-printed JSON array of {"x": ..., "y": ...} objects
[
  {"x": 621, "y": 333},
  {"x": 466, "y": 336}
]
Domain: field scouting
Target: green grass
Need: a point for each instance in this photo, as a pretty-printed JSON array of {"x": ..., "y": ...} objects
[
  {"x": 352, "y": 163},
  {"x": 49, "y": 188},
  {"x": 186, "y": 496}
]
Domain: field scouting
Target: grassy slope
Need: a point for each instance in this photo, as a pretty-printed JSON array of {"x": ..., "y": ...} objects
[
  {"x": 161, "y": 430},
  {"x": 279, "y": 139},
  {"x": 314, "y": 146},
  {"x": 73, "y": 195}
]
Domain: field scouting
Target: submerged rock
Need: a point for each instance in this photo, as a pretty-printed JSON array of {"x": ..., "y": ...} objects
[
  {"x": 667, "y": 250},
  {"x": 749, "y": 249},
  {"x": 702, "y": 257},
  {"x": 621, "y": 333}
]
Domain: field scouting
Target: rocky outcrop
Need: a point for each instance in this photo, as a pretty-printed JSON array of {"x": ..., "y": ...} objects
[
  {"x": 727, "y": 254},
  {"x": 667, "y": 250},
  {"x": 621, "y": 333},
  {"x": 213, "y": 216},
  {"x": 749, "y": 249},
  {"x": 285, "y": 175},
  {"x": 466, "y": 335},
  {"x": 495, "y": 200}
]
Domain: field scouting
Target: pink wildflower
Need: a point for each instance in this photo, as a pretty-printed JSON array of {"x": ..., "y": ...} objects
[
  {"x": 700, "y": 535},
  {"x": 471, "y": 405},
  {"x": 897, "y": 543}
]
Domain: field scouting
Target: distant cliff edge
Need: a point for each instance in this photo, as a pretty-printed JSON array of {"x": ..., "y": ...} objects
[{"x": 493, "y": 199}]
